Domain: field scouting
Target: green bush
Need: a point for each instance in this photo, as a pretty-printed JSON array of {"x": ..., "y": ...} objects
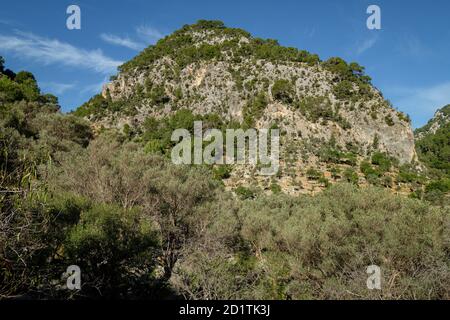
[
  {"x": 108, "y": 243},
  {"x": 244, "y": 193},
  {"x": 315, "y": 108},
  {"x": 350, "y": 176},
  {"x": 313, "y": 174},
  {"x": 221, "y": 172},
  {"x": 382, "y": 160},
  {"x": 319, "y": 248},
  {"x": 437, "y": 192},
  {"x": 343, "y": 90},
  {"x": 275, "y": 188},
  {"x": 434, "y": 150},
  {"x": 154, "y": 146},
  {"x": 283, "y": 90},
  {"x": 254, "y": 109},
  {"x": 158, "y": 95},
  {"x": 389, "y": 121}
]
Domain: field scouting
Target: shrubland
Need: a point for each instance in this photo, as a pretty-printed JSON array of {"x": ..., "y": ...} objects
[{"x": 141, "y": 227}]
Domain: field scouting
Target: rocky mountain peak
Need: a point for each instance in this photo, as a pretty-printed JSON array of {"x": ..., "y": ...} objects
[{"x": 327, "y": 111}]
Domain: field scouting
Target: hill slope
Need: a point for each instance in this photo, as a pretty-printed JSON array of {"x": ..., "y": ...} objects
[
  {"x": 433, "y": 148},
  {"x": 140, "y": 227},
  {"x": 328, "y": 112}
]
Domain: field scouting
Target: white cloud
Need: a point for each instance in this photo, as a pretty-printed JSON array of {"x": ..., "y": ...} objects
[
  {"x": 52, "y": 51},
  {"x": 149, "y": 33},
  {"x": 56, "y": 88},
  {"x": 366, "y": 45},
  {"x": 95, "y": 88},
  {"x": 124, "y": 42}
]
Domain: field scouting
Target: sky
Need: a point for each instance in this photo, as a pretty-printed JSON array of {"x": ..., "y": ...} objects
[{"x": 408, "y": 58}]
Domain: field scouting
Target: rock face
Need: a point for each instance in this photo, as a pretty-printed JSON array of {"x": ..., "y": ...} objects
[
  {"x": 208, "y": 68},
  {"x": 210, "y": 87}
]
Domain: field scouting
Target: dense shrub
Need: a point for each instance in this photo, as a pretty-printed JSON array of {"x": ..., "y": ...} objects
[
  {"x": 181, "y": 48},
  {"x": 297, "y": 248},
  {"x": 434, "y": 150},
  {"x": 115, "y": 248},
  {"x": 315, "y": 108},
  {"x": 142, "y": 227},
  {"x": 343, "y": 90},
  {"x": 254, "y": 109},
  {"x": 350, "y": 176},
  {"x": 283, "y": 90}
]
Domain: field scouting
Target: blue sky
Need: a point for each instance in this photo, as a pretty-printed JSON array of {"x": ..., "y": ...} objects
[{"x": 408, "y": 59}]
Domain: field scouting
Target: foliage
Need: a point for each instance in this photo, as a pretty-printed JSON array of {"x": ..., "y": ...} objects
[
  {"x": 434, "y": 150},
  {"x": 352, "y": 72},
  {"x": 181, "y": 48},
  {"x": 283, "y": 90},
  {"x": 319, "y": 248},
  {"x": 343, "y": 90},
  {"x": 313, "y": 174},
  {"x": 108, "y": 243},
  {"x": 382, "y": 160},
  {"x": 222, "y": 172},
  {"x": 244, "y": 193},
  {"x": 254, "y": 109},
  {"x": 95, "y": 105},
  {"x": 389, "y": 121},
  {"x": 348, "y": 76},
  {"x": 350, "y": 176},
  {"x": 142, "y": 227}
]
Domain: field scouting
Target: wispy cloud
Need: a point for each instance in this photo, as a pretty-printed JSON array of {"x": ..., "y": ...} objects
[
  {"x": 148, "y": 33},
  {"x": 94, "y": 88},
  {"x": 57, "y": 88},
  {"x": 366, "y": 45},
  {"x": 412, "y": 46},
  {"x": 52, "y": 51},
  {"x": 7, "y": 22},
  {"x": 124, "y": 42},
  {"x": 422, "y": 102}
]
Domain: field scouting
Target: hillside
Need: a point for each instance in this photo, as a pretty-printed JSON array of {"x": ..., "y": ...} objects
[
  {"x": 140, "y": 227},
  {"x": 433, "y": 148},
  {"x": 330, "y": 116},
  {"x": 439, "y": 120}
]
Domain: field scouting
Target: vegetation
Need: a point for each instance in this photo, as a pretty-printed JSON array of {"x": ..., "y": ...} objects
[
  {"x": 433, "y": 149},
  {"x": 141, "y": 227},
  {"x": 351, "y": 80},
  {"x": 440, "y": 121},
  {"x": 180, "y": 46},
  {"x": 283, "y": 90},
  {"x": 254, "y": 110}
]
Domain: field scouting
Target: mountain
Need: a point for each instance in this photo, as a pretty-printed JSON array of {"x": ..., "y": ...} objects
[
  {"x": 330, "y": 116},
  {"x": 433, "y": 142},
  {"x": 433, "y": 148},
  {"x": 140, "y": 227}
]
